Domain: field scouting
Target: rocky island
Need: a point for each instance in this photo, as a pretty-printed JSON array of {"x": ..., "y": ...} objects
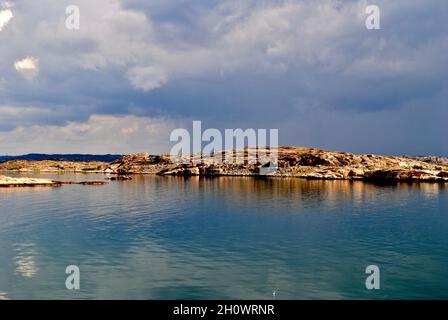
[
  {"x": 6, "y": 182},
  {"x": 25, "y": 182},
  {"x": 307, "y": 163}
]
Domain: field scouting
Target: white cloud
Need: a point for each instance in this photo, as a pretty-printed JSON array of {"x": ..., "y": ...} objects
[
  {"x": 28, "y": 67},
  {"x": 147, "y": 78},
  {"x": 28, "y": 63},
  {"x": 99, "y": 134},
  {"x": 5, "y": 17}
]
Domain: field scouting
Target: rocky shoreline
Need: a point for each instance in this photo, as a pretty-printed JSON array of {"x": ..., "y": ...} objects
[
  {"x": 52, "y": 166},
  {"x": 25, "y": 182},
  {"x": 292, "y": 162},
  {"x": 9, "y": 182},
  {"x": 295, "y": 162}
]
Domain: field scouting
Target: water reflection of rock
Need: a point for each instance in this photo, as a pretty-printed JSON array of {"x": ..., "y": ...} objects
[
  {"x": 25, "y": 260},
  {"x": 301, "y": 190}
]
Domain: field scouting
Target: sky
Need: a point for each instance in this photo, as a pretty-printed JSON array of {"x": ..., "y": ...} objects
[{"x": 137, "y": 69}]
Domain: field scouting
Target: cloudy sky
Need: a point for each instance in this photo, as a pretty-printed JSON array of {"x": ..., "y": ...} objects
[{"x": 136, "y": 69}]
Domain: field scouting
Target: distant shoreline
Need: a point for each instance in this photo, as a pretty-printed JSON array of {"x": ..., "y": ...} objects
[{"x": 62, "y": 157}]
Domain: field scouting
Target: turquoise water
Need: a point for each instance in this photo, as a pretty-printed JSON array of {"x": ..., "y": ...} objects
[{"x": 224, "y": 238}]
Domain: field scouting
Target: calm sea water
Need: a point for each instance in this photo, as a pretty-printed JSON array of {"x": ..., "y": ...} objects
[{"x": 223, "y": 238}]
